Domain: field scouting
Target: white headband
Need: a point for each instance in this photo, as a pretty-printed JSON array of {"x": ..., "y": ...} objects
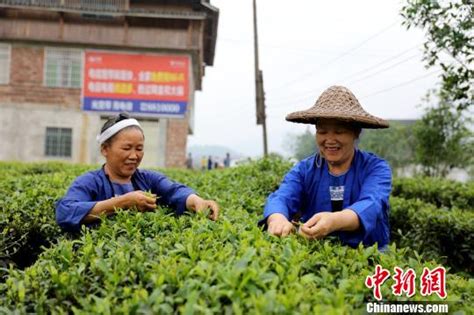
[{"x": 109, "y": 132}]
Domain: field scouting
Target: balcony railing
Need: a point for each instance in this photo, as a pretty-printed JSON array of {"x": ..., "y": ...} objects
[
  {"x": 113, "y": 7},
  {"x": 83, "y": 5}
]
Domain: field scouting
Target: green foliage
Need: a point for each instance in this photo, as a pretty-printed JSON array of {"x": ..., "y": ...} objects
[
  {"x": 154, "y": 262},
  {"x": 302, "y": 145},
  {"x": 449, "y": 44},
  {"x": 446, "y": 235},
  {"x": 29, "y": 192},
  {"x": 394, "y": 144},
  {"x": 443, "y": 140},
  {"x": 441, "y": 193}
]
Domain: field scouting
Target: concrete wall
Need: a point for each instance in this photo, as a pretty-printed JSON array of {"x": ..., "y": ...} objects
[
  {"x": 23, "y": 132},
  {"x": 178, "y": 129}
]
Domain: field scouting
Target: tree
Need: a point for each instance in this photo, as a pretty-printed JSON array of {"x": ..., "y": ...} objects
[
  {"x": 394, "y": 144},
  {"x": 302, "y": 145},
  {"x": 449, "y": 44},
  {"x": 443, "y": 139}
]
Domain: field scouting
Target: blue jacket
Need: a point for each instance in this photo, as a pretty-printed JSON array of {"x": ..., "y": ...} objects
[
  {"x": 305, "y": 189},
  {"x": 95, "y": 186}
]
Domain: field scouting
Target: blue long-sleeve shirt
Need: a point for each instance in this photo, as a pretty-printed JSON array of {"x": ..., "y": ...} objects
[
  {"x": 94, "y": 186},
  {"x": 305, "y": 189}
]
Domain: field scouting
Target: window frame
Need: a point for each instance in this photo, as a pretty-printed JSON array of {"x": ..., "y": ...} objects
[
  {"x": 8, "y": 63},
  {"x": 59, "y": 148},
  {"x": 59, "y": 65}
]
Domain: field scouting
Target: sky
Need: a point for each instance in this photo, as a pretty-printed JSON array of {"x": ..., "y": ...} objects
[{"x": 305, "y": 46}]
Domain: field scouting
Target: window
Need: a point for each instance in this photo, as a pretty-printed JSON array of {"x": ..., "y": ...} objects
[
  {"x": 4, "y": 64},
  {"x": 58, "y": 142},
  {"x": 63, "y": 68}
]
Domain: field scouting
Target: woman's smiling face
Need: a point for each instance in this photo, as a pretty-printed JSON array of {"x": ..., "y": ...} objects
[
  {"x": 125, "y": 152},
  {"x": 336, "y": 142}
]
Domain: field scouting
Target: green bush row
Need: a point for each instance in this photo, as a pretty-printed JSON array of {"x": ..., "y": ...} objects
[
  {"x": 440, "y": 192},
  {"x": 38, "y": 168},
  {"x": 157, "y": 263},
  {"x": 29, "y": 192},
  {"x": 441, "y": 234}
]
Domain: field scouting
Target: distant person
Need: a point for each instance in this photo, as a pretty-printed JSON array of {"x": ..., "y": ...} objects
[
  {"x": 189, "y": 162},
  {"x": 203, "y": 163},
  {"x": 216, "y": 163},
  {"x": 340, "y": 191},
  {"x": 120, "y": 184},
  {"x": 227, "y": 160},
  {"x": 209, "y": 163}
]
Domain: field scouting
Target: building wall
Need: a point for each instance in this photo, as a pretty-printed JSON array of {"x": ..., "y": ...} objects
[
  {"x": 23, "y": 135},
  {"x": 178, "y": 130},
  {"x": 176, "y": 143},
  {"x": 26, "y": 80},
  {"x": 26, "y": 102},
  {"x": 23, "y": 131}
]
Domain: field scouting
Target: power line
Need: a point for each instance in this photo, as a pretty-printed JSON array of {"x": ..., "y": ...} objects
[
  {"x": 377, "y": 92},
  {"x": 339, "y": 57},
  {"x": 311, "y": 92},
  {"x": 401, "y": 84},
  {"x": 293, "y": 49},
  {"x": 273, "y": 116},
  {"x": 347, "y": 52},
  {"x": 382, "y": 70},
  {"x": 294, "y": 100},
  {"x": 381, "y": 63}
]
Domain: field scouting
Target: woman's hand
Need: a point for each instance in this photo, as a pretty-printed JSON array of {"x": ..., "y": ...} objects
[
  {"x": 279, "y": 225},
  {"x": 139, "y": 199},
  {"x": 197, "y": 204},
  {"x": 323, "y": 223},
  {"x": 318, "y": 226}
]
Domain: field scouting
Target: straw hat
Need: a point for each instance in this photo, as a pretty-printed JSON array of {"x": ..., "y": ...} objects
[{"x": 338, "y": 102}]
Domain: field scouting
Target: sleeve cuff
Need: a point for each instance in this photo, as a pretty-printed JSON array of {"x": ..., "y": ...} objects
[
  {"x": 181, "y": 207},
  {"x": 365, "y": 221},
  {"x": 69, "y": 218}
]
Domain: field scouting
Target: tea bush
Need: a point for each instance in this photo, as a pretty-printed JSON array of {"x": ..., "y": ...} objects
[
  {"x": 442, "y": 234},
  {"x": 154, "y": 262},
  {"x": 29, "y": 192},
  {"x": 441, "y": 193},
  {"x": 158, "y": 263}
]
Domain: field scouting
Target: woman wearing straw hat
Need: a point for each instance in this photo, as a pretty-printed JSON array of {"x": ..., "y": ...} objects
[
  {"x": 120, "y": 184},
  {"x": 341, "y": 190}
]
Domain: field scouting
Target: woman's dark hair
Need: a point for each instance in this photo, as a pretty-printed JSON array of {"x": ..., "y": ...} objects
[{"x": 112, "y": 121}]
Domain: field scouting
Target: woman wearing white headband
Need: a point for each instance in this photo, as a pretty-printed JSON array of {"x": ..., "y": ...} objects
[{"x": 120, "y": 184}]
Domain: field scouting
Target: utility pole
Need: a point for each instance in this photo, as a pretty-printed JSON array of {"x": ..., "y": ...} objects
[{"x": 259, "y": 92}]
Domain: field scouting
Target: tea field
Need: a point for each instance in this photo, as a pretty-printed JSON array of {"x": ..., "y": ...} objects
[{"x": 155, "y": 262}]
